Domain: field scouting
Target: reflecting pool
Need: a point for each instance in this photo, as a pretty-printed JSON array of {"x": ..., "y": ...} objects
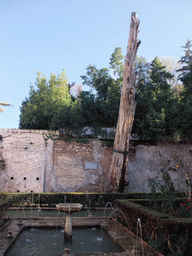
[{"x": 36, "y": 242}]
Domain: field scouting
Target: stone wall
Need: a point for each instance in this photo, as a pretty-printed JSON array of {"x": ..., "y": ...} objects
[
  {"x": 26, "y": 161},
  {"x": 147, "y": 161},
  {"x": 28, "y": 164},
  {"x": 80, "y": 167}
]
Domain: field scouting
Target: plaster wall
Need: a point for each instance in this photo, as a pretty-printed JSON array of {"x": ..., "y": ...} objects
[
  {"x": 147, "y": 161},
  {"x": 26, "y": 161},
  {"x": 28, "y": 164}
]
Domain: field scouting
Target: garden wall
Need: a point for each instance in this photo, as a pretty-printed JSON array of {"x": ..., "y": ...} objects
[
  {"x": 153, "y": 162},
  {"x": 29, "y": 163}
]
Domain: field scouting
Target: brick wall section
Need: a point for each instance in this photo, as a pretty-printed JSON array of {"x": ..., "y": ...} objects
[{"x": 69, "y": 160}]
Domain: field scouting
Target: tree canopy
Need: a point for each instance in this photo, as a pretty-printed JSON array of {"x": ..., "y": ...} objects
[
  {"x": 164, "y": 104},
  {"x": 44, "y": 102},
  {"x": 185, "y": 103}
]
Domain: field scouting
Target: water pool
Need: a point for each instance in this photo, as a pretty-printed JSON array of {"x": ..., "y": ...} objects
[
  {"x": 54, "y": 213},
  {"x": 36, "y": 242}
]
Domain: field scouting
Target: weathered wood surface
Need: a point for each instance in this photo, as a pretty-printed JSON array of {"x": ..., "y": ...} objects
[{"x": 116, "y": 179}]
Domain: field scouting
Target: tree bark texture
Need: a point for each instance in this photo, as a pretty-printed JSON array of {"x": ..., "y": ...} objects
[{"x": 116, "y": 178}]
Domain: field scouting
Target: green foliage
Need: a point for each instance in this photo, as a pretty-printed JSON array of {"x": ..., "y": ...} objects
[
  {"x": 70, "y": 117},
  {"x": 185, "y": 60},
  {"x": 161, "y": 112},
  {"x": 142, "y": 69},
  {"x": 50, "y": 106},
  {"x": 167, "y": 201},
  {"x": 155, "y": 100},
  {"x": 38, "y": 110},
  {"x": 184, "y": 124},
  {"x": 170, "y": 236},
  {"x": 116, "y": 64},
  {"x": 178, "y": 245},
  {"x": 100, "y": 109},
  {"x": 51, "y": 199}
]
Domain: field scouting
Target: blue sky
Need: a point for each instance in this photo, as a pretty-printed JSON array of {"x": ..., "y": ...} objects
[{"x": 52, "y": 35}]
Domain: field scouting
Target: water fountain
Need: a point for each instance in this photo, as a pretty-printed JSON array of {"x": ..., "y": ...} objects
[
  {"x": 39, "y": 203},
  {"x": 139, "y": 228},
  {"x": 65, "y": 199},
  {"x": 22, "y": 208},
  {"x": 31, "y": 214},
  {"x": 68, "y": 209},
  {"x": 90, "y": 235},
  {"x": 101, "y": 201},
  {"x": 112, "y": 208}
]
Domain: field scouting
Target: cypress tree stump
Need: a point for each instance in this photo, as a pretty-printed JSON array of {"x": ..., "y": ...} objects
[{"x": 116, "y": 178}]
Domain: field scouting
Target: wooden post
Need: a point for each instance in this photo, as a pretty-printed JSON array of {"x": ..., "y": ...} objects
[{"x": 116, "y": 178}]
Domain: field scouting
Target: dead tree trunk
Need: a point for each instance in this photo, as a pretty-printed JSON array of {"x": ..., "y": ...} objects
[{"x": 126, "y": 113}]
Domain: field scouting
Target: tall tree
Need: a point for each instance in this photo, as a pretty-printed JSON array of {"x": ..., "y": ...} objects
[
  {"x": 156, "y": 103},
  {"x": 142, "y": 69},
  {"x": 185, "y": 107},
  {"x": 186, "y": 60},
  {"x": 100, "y": 109},
  {"x": 116, "y": 64},
  {"x": 98, "y": 79},
  {"x": 126, "y": 112},
  {"x": 38, "y": 110}
]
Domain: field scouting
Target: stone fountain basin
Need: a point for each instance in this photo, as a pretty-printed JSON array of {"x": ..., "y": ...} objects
[{"x": 64, "y": 207}]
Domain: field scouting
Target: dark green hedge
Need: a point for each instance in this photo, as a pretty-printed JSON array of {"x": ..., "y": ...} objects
[
  {"x": 51, "y": 199},
  {"x": 3, "y": 206},
  {"x": 170, "y": 236},
  {"x": 89, "y": 199}
]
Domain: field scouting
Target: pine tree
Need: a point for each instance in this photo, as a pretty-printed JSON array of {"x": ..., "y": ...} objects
[
  {"x": 155, "y": 103},
  {"x": 185, "y": 106}
]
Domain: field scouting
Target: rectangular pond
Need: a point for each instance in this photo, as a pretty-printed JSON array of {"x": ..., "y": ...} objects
[
  {"x": 54, "y": 213},
  {"x": 36, "y": 242}
]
